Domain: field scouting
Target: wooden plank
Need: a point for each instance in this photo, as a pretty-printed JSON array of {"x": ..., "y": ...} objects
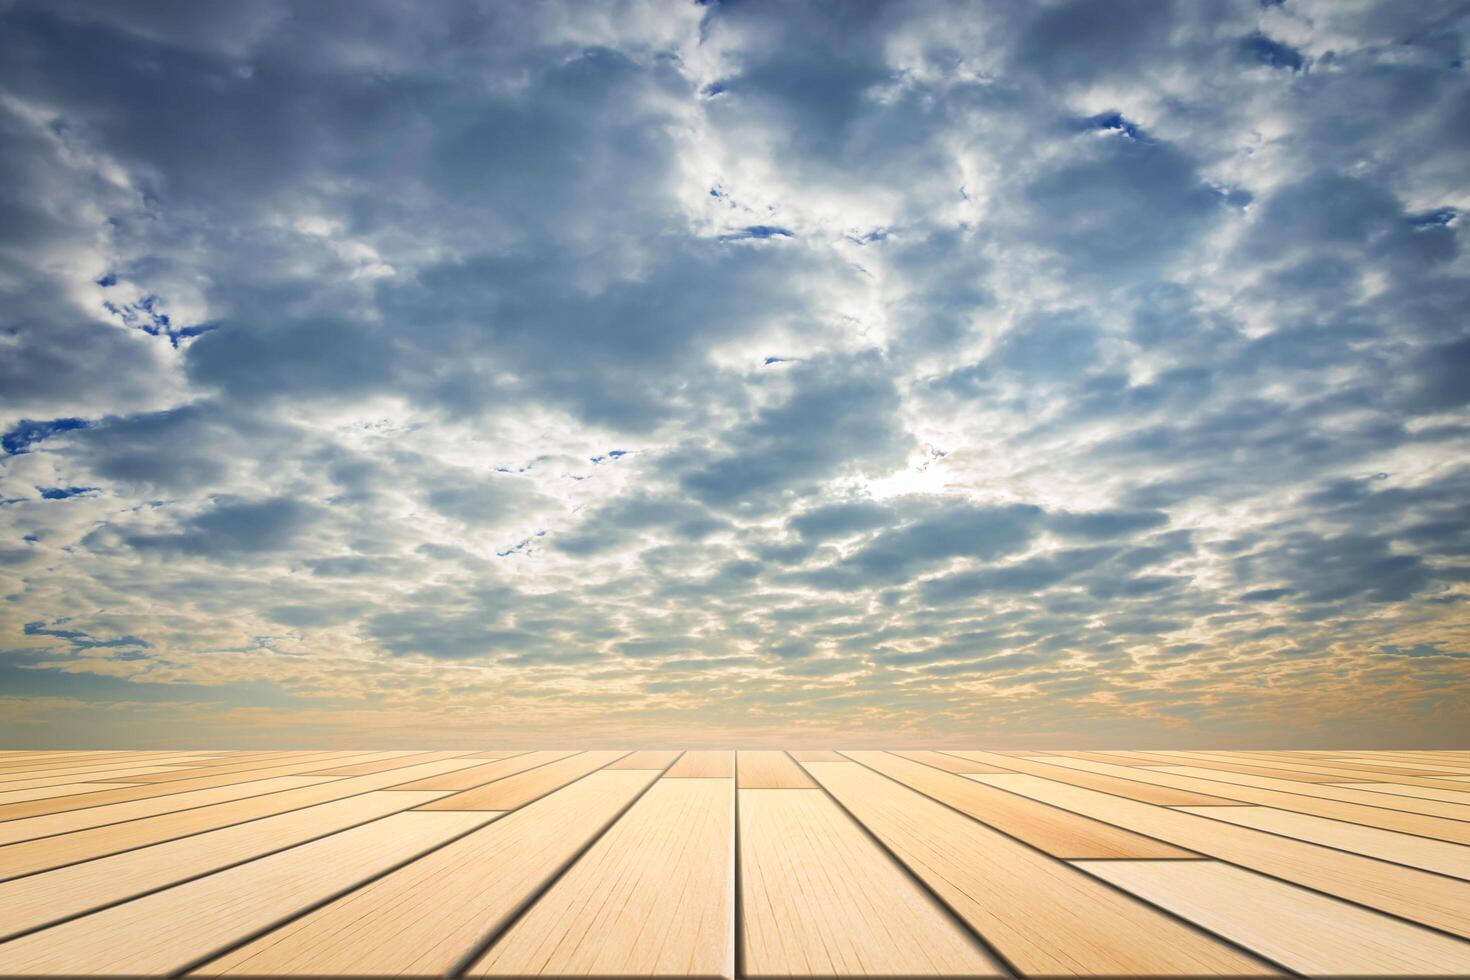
[
  {"x": 769, "y": 770},
  {"x": 498, "y": 754},
  {"x": 31, "y": 767},
  {"x": 1388, "y": 845},
  {"x": 1302, "y": 930},
  {"x": 168, "y": 930},
  {"x": 957, "y": 762},
  {"x": 1114, "y": 758},
  {"x": 1410, "y": 798},
  {"x": 240, "y": 768},
  {"x": 703, "y": 764},
  {"x": 1118, "y": 785},
  {"x": 385, "y": 765},
  {"x": 123, "y": 794},
  {"x": 51, "y": 792},
  {"x": 1417, "y": 895},
  {"x": 1038, "y": 913},
  {"x": 82, "y": 845},
  {"x": 1058, "y": 832},
  {"x": 1358, "y": 806},
  {"x": 520, "y": 789},
  {"x": 655, "y": 895},
  {"x": 1142, "y": 760},
  {"x": 115, "y": 774},
  {"x": 819, "y": 898},
  {"x": 814, "y": 755},
  {"x": 31, "y": 828},
  {"x": 488, "y": 772},
  {"x": 1419, "y": 794},
  {"x": 1450, "y": 768},
  {"x": 1373, "y": 815},
  {"x": 647, "y": 759},
  {"x": 41, "y": 899},
  {"x": 426, "y": 917},
  {"x": 1307, "y": 772}
]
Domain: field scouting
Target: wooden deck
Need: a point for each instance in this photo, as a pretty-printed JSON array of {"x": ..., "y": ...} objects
[{"x": 716, "y": 863}]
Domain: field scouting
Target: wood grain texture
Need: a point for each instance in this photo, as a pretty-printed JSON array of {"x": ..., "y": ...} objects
[
  {"x": 168, "y": 930},
  {"x": 1409, "y": 892},
  {"x": 123, "y": 794},
  {"x": 108, "y": 774},
  {"x": 1346, "y": 802},
  {"x": 819, "y": 898},
  {"x": 1309, "y": 801},
  {"x": 1118, "y": 785},
  {"x": 522, "y": 788},
  {"x": 654, "y": 896},
  {"x": 1038, "y": 913},
  {"x": 1146, "y": 759},
  {"x": 426, "y": 917},
  {"x": 30, "y": 828},
  {"x": 51, "y": 792},
  {"x": 1445, "y": 767},
  {"x": 384, "y": 765},
  {"x": 703, "y": 764},
  {"x": 1303, "y": 771},
  {"x": 1420, "y": 794},
  {"x": 1058, "y": 832},
  {"x": 82, "y": 845},
  {"x": 488, "y": 772},
  {"x": 241, "y": 768},
  {"x": 956, "y": 762},
  {"x": 40, "y": 899},
  {"x": 768, "y": 770},
  {"x": 814, "y": 755},
  {"x": 1417, "y": 852},
  {"x": 646, "y": 759},
  {"x": 1299, "y": 929}
]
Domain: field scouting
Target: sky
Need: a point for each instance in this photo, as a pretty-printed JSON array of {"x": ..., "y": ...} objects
[{"x": 998, "y": 374}]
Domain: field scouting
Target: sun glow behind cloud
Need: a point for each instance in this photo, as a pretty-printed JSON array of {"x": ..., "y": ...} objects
[{"x": 1081, "y": 372}]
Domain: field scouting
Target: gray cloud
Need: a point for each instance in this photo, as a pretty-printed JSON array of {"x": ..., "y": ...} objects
[{"x": 888, "y": 359}]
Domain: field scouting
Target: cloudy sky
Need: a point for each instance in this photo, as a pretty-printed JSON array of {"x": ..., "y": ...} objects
[{"x": 1010, "y": 374}]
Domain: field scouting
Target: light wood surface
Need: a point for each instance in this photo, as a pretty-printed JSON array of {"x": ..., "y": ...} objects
[
  {"x": 1417, "y": 852},
  {"x": 957, "y": 762},
  {"x": 427, "y": 917},
  {"x": 558, "y": 862},
  {"x": 646, "y": 759},
  {"x": 1299, "y": 929},
  {"x": 1038, "y": 913},
  {"x": 1432, "y": 802},
  {"x": 169, "y": 930},
  {"x": 819, "y": 898},
  {"x": 487, "y": 772},
  {"x": 13, "y": 831},
  {"x": 1117, "y": 785},
  {"x": 50, "y": 792},
  {"x": 1417, "y": 895},
  {"x": 1423, "y": 793},
  {"x": 384, "y": 765},
  {"x": 703, "y": 764},
  {"x": 1058, "y": 832},
  {"x": 142, "y": 791},
  {"x": 52, "y": 852},
  {"x": 1333, "y": 807},
  {"x": 520, "y": 789},
  {"x": 40, "y": 899},
  {"x": 654, "y": 896},
  {"x": 762, "y": 769}
]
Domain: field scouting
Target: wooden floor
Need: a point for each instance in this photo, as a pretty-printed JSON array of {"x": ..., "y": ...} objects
[{"x": 718, "y": 863}]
